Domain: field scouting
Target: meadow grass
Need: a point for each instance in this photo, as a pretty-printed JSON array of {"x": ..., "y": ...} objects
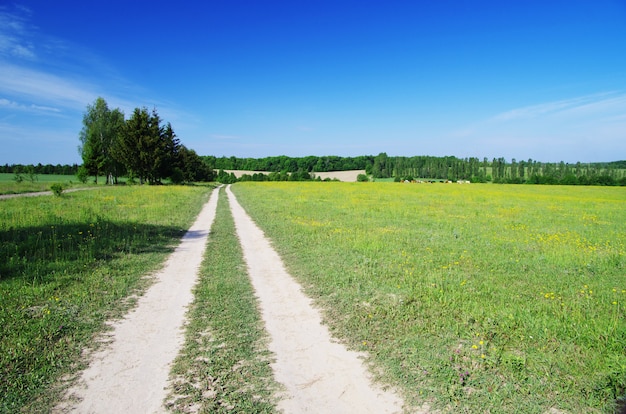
[
  {"x": 224, "y": 364},
  {"x": 472, "y": 298},
  {"x": 69, "y": 263},
  {"x": 8, "y": 185}
]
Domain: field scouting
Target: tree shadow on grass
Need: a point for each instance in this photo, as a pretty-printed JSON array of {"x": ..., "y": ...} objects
[
  {"x": 58, "y": 284},
  {"x": 38, "y": 252}
]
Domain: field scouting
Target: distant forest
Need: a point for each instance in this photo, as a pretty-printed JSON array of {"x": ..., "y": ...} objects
[
  {"x": 382, "y": 166},
  {"x": 40, "y": 169}
]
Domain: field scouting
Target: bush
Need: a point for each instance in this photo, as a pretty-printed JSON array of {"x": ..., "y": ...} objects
[
  {"x": 57, "y": 189},
  {"x": 82, "y": 174},
  {"x": 362, "y": 178}
]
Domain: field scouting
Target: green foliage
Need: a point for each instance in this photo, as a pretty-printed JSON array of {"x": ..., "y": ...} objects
[
  {"x": 452, "y": 168},
  {"x": 147, "y": 149},
  {"x": 47, "y": 169},
  {"x": 18, "y": 177},
  {"x": 287, "y": 164},
  {"x": 99, "y": 138},
  {"x": 57, "y": 189},
  {"x": 66, "y": 265},
  {"x": 226, "y": 178},
  {"x": 31, "y": 173},
  {"x": 192, "y": 166},
  {"x": 466, "y": 296},
  {"x": 82, "y": 174},
  {"x": 140, "y": 147},
  {"x": 362, "y": 178}
]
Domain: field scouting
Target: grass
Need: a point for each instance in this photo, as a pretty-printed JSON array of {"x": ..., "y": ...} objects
[
  {"x": 470, "y": 298},
  {"x": 224, "y": 365},
  {"x": 69, "y": 263},
  {"x": 8, "y": 185}
]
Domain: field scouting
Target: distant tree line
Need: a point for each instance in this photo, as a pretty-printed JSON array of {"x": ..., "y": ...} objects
[
  {"x": 144, "y": 148},
  {"x": 40, "y": 169},
  {"x": 536, "y": 172},
  {"x": 497, "y": 170},
  {"x": 230, "y": 178},
  {"x": 284, "y": 163},
  {"x": 141, "y": 147}
]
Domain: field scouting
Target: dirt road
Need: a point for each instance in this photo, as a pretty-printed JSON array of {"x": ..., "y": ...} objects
[
  {"x": 319, "y": 374},
  {"x": 130, "y": 374}
]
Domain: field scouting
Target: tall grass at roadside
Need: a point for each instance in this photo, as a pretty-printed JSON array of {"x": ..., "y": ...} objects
[
  {"x": 66, "y": 265},
  {"x": 470, "y": 297},
  {"x": 224, "y": 364}
]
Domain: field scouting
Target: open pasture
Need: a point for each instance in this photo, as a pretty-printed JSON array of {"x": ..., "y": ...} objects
[
  {"x": 66, "y": 265},
  {"x": 41, "y": 182},
  {"x": 472, "y": 298}
]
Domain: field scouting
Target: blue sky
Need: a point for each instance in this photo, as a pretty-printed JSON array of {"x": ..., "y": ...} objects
[{"x": 517, "y": 79}]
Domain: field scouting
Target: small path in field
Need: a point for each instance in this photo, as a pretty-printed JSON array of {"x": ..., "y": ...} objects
[
  {"x": 319, "y": 374},
  {"x": 130, "y": 374},
  {"x": 41, "y": 193}
]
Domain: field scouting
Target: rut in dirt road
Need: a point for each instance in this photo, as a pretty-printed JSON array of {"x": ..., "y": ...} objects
[
  {"x": 130, "y": 374},
  {"x": 319, "y": 374}
]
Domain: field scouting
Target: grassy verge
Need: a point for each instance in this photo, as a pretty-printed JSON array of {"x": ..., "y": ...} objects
[
  {"x": 8, "y": 185},
  {"x": 69, "y": 263},
  {"x": 224, "y": 365},
  {"x": 472, "y": 298}
]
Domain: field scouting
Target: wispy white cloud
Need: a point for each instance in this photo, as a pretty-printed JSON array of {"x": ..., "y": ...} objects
[
  {"x": 584, "y": 128},
  {"x": 50, "y": 89},
  {"x": 606, "y": 101},
  {"x": 6, "y": 103},
  {"x": 15, "y": 39},
  {"x": 52, "y": 73}
]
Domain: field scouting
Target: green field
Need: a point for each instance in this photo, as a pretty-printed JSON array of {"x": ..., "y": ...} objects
[
  {"x": 41, "y": 182},
  {"x": 472, "y": 298},
  {"x": 69, "y": 263}
]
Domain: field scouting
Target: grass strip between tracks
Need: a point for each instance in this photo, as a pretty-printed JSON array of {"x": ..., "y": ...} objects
[{"x": 224, "y": 365}]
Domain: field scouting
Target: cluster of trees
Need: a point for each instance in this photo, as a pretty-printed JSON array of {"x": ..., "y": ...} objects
[
  {"x": 445, "y": 168},
  {"x": 39, "y": 169},
  {"x": 284, "y": 163},
  {"x": 536, "y": 172},
  {"x": 497, "y": 170},
  {"x": 141, "y": 147},
  {"x": 229, "y": 178}
]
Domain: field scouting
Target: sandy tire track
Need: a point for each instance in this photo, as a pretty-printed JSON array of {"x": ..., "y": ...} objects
[
  {"x": 130, "y": 374},
  {"x": 319, "y": 374}
]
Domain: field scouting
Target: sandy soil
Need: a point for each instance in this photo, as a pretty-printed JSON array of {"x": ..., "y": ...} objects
[
  {"x": 319, "y": 374},
  {"x": 129, "y": 375}
]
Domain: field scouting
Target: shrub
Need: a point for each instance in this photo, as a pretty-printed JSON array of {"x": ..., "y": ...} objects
[
  {"x": 57, "y": 189},
  {"x": 82, "y": 174}
]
